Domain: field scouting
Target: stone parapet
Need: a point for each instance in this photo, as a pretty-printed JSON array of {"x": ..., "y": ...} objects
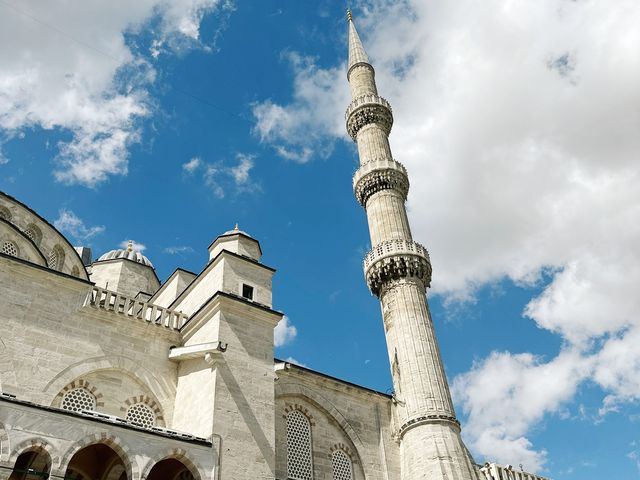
[
  {"x": 492, "y": 471},
  {"x": 395, "y": 259},
  {"x": 380, "y": 174},
  {"x": 368, "y": 109},
  {"x": 103, "y": 299}
]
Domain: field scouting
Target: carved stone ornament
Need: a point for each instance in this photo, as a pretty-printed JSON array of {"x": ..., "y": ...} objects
[
  {"x": 427, "y": 419},
  {"x": 379, "y": 175},
  {"x": 366, "y": 110},
  {"x": 396, "y": 259}
]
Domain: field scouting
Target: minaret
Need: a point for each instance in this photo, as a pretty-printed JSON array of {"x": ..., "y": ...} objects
[{"x": 398, "y": 271}]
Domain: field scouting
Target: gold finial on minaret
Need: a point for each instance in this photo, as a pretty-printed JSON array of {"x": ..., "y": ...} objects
[
  {"x": 349, "y": 16},
  {"x": 130, "y": 246}
]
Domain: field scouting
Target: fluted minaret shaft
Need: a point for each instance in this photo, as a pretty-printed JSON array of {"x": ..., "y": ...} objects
[{"x": 398, "y": 270}]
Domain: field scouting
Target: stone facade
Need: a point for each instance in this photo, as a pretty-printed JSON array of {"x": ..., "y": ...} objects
[{"x": 105, "y": 373}]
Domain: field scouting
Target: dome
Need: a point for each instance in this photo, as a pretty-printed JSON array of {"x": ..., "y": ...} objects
[{"x": 129, "y": 253}]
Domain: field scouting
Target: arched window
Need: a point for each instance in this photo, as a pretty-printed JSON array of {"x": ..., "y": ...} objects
[
  {"x": 56, "y": 258},
  {"x": 299, "y": 459},
  {"x": 5, "y": 214},
  {"x": 342, "y": 468},
  {"x": 33, "y": 232},
  {"x": 10, "y": 248},
  {"x": 75, "y": 271},
  {"x": 141, "y": 415},
  {"x": 79, "y": 399}
]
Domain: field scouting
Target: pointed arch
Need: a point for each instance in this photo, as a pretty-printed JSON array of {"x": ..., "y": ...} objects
[
  {"x": 110, "y": 440},
  {"x": 161, "y": 394},
  {"x": 55, "y": 259},
  {"x": 290, "y": 389},
  {"x": 34, "y": 233},
  {"x": 175, "y": 454},
  {"x": 5, "y": 213},
  {"x": 34, "y": 445}
]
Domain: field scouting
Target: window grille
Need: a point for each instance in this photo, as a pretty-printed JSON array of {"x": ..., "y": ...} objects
[
  {"x": 141, "y": 415},
  {"x": 33, "y": 232},
  {"x": 299, "y": 463},
  {"x": 10, "y": 248},
  {"x": 341, "y": 463},
  {"x": 56, "y": 258},
  {"x": 53, "y": 259},
  {"x": 79, "y": 399}
]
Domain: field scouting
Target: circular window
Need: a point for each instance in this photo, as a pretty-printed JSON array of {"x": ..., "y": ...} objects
[
  {"x": 141, "y": 415},
  {"x": 79, "y": 399}
]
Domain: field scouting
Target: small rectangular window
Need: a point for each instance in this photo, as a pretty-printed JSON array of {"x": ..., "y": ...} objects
[{"x": 247, "y": 291}]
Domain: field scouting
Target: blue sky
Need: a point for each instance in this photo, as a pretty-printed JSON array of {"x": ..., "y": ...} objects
[{"x": 168, "y": 122}]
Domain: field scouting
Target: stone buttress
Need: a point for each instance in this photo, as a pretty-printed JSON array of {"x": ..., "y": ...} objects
[{"x": 398, "y": 271}]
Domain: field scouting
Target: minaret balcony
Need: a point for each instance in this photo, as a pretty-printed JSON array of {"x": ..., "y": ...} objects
[
  {"x": 377, "y": 175},
  {"x": 366, "y": 110},
  {"x": 396, "y": 259}
]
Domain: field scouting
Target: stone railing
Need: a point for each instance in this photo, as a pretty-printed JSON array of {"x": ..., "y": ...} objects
[
  {"x": 115, "y": 302},
  {"x": 365, "y": 100},
  {"x": 366, "y": 110},
  {"x": 377, "y": 175},
  {"x": 392, "y": 248},
  {"x": 494, "y": 471},
  {"x": 396, "y": 259}
]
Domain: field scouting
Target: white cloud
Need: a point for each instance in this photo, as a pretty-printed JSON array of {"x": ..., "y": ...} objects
[
  {"x": 505, "y": 394},
  {"x": 68, "y": 222},
  {"x": 220, "y": 177},
  {"x": 284, "y": 332},
  {"x": 240, "y": 172},
  {"x": 517, "y": 122},
  {"x": 181, "y": 249},
  {"x": 299, "y": 131},
  {"x": 192, "y": 165},
  {"x": 137, "y": 246},
  {"x": 82, "y": 78},
  {"x": 212, "y": 180}
]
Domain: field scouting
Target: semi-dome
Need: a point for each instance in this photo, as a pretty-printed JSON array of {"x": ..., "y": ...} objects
[{"x": 129, "y": 253}]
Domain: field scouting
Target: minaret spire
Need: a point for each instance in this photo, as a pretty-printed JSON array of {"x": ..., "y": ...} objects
[
  {"x": 356, "y": 50},
  {"x": 398, "y": 271}
]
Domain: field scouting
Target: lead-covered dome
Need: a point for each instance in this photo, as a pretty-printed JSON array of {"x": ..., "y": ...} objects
[
  {"x": 129, "y": 253},
  {"x": 236, "y": 230}
]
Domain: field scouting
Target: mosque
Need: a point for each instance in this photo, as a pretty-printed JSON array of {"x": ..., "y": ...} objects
[{"x": 108, "y": 374}]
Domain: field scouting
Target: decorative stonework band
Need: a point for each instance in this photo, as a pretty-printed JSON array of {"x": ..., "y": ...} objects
[
  {"x": 368, "y": 109},
  {"x": 427, "y": 419},
  {"x": 378, "y": 175},
  {"x": 395, "y": 259}
]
